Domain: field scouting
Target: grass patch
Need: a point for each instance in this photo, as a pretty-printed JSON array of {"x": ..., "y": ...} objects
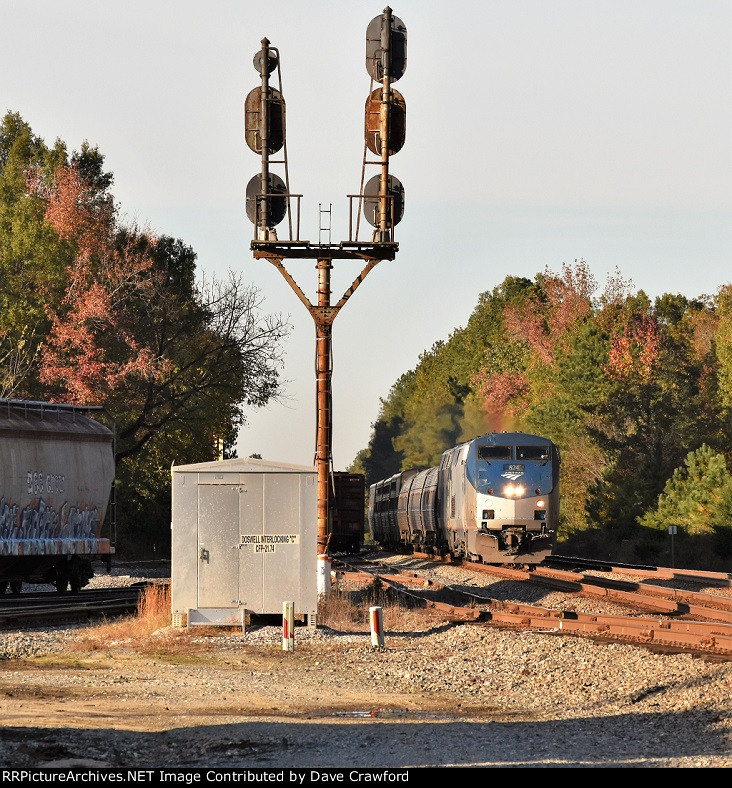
[
  {"x": 347, "y": 610},
  {"x": 148, "y": 631},
  {"x": 177, "y": 650},
  {"x": 51, "y": 662},
  {"x": 152, "y": 614}
]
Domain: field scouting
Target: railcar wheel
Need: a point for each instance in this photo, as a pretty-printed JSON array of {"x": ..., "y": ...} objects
[
  {"x": 16, "y": 586},
  {"x": 62, "y": 583},
  {"x": 77, "y": 575},
  {"x": 3, "y": 586}
]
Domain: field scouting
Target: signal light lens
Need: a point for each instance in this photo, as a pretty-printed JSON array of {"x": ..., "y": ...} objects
[{"x": 394, "y": 205}]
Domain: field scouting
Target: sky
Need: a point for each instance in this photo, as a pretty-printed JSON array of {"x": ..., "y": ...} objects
[{"x": 539, "y": 132}]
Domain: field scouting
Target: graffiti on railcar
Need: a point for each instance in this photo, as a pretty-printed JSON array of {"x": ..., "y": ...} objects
[
  {"x": 8, "y": 519},
  {"x": 39, "y": 520}
]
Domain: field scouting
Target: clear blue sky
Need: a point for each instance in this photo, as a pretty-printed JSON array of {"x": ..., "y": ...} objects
[{"x": 538, "y": 133}]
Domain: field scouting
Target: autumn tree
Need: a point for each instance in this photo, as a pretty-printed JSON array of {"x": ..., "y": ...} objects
[
  {"x": 174, "y": 360},
  {"x": 124, "y": 321},
  {"x": 538, "y": 370},
  {"x": 658, "y": 406},
  {"x": 536, "y": 322},
  {"x": 33, "y": 259}
]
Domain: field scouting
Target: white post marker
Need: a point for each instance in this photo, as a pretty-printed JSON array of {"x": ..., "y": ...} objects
[
  {"x": 288, "y": 626},
  {"x": 377, "y": 626},
  {"x": 323, "y": 575}
]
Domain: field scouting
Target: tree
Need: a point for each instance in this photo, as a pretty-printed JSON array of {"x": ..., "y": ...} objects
[
  {"x": 381, "y": 459},
  {"x": 723, "y": 344},
  {"x": 173, "y": 361},
  {"x": 624, "y": 386},
  {"x": 659, "y": 406},
  {"x": 33, "y": 259},
  {"x": 444, "y": 406},
  {"x": 696, "y": 495},
  {"x": 562, "y": 408},
  {"x": 96, "y": 312},
  {"x": 433, "y": 411}
]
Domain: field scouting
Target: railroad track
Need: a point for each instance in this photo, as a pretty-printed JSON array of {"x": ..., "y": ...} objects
[
  {"x": 48, "y": 607},
  {"x": 644, "y": 596},
  {"x": 708, "y": 632},
  {"x": 721, "y": 579}
]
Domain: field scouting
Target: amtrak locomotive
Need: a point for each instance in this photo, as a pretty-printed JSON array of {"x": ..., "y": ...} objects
[{"x": 494, "y": 500}]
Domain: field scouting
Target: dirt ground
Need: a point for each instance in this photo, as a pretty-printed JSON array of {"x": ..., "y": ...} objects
[
  {"x": 226, "y": 703},
  {"x": 220, "y": 706}
]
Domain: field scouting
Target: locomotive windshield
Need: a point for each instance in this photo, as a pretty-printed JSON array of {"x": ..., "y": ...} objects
[
  {"x": 488, "y": 453},
  {"x": 494, "y": 453},
  {"x": 532, "y": 452}
]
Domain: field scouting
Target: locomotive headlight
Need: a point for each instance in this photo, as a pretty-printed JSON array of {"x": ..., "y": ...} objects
[
  {"x": 519, "y": 490},
  {"x": 508, "y": 490},
  {"x": 540, "y": 504}
]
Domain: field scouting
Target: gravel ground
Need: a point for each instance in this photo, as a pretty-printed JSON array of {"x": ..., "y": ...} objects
[{"x": 435, "y": 695}]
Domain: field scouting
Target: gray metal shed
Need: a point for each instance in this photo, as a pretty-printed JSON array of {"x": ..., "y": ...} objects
[{"x": 244, "y": 540}]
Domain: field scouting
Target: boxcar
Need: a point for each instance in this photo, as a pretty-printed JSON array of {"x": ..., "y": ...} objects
[{"x": 348, "y": 511}]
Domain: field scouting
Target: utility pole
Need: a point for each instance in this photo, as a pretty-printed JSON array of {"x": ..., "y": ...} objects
[{"x": 269, "y": 200}]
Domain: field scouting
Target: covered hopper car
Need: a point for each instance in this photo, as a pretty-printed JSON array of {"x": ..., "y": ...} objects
[
  {"x": 56, "y": 477},
  {"x": 493, "y": 499}
]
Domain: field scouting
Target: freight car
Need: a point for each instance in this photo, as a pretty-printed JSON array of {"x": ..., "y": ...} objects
[
  {"x": 493, "y": 499},
  {"x": 347, "y": 508},
  {"x": 56, "y": 476}
]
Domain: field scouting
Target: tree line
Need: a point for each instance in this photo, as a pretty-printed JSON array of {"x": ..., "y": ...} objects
[
  {"x": 97, "y": 311},
  {"x": 636, "y": 393}
]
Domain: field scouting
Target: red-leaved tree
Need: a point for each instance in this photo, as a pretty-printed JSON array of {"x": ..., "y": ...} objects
[
  {"x": 92, "y": 348},
  {"x": 536, "y": 329},
  {"x": 635, "y": 351}
]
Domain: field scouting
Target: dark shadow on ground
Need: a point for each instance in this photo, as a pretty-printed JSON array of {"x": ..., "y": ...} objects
[{"x": 630, "y": 741}]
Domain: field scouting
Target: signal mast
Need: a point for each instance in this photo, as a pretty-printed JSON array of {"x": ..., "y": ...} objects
[{"x": 381, "y": 199}]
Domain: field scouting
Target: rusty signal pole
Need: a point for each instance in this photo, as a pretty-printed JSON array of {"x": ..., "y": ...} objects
[{"x": 269, "y": 199}]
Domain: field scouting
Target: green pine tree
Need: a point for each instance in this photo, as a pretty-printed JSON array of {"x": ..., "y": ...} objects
[{"x": 696, "y": 495}]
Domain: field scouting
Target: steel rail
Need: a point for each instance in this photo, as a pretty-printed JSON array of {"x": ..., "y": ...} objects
[
  {"x": 53, "y": 607},
  {"x": 699, "y": 637},
  {"x": 696, "y": 636},
  {"x": 670, "y": 601},
  {"x": 722, "y": 579}
]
